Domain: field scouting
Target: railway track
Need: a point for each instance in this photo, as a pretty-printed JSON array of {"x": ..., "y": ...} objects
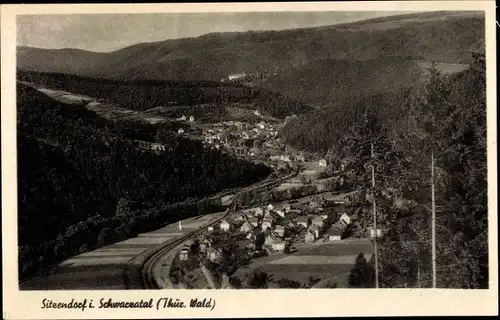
[{"x": 147, "y": 278}]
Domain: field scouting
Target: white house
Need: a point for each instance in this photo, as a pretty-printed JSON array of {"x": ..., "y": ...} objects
[
  {"x": 310, "y": 237},
  {"x": 278, "y": 245},
  {"x": 322, "y": 163},
  {"x": 314, "y": 229},
  {"x": 183, "y": 118},
  {"x": 246, "y": 227},
  {"x": 317, "y": 220},
  {"x": 371, "y": 232},
  {"x": 258, "y": 212},
  {"x": 280, "y": 230},
  {"x": 180, "y": 131},
  {"x": 213, "y": 255},
  {"x": 261, "y": 125},
  {"x": 302, "y": 221},
  {"x": 345, "y": 219},
  {"x": 210, "y": 229},
  {"x": 184, "y": 254},
  {"x": 253, "y": 221},
  {"x": 270, "y": 207},
  {"x": 281, "y": 213},
  {"x": 235, "y": 76},
  {"x": 266, "y": 223},
  {"x": 224, "y": 225},
  {"x": 256, "y": 112},
  {"x": 334, "y": 233},
  {"x": 191, "y": 119}
]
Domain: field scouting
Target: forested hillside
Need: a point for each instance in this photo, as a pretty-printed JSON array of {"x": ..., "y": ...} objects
[
  {"x": 447, "y": 123},
  {"x": 148, "y": 94},
  {"x": 440, "y": 36},
  {"x": 72, "y": 167},
  {"x": 340, "y": 82}
]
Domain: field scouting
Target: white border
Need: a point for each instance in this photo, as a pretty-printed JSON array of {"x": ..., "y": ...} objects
[{"x": 242, "y": 303}]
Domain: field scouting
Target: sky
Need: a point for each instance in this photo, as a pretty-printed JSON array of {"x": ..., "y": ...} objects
[{"x": 108, "y": 32}]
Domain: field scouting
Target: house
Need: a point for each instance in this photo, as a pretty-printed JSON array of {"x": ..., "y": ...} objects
[
  {"x": 205, "y": 244},
  {"x": 235, "y": 76},
  {"x": 279, "y": 230},
  {"x": 224, "y": 225},
  {"x": 253, "y": 221},
  {"x": 183, "y": 118},
  {"x": 370, "y": 232},
  {"x": 317, "y": 220},
  {"x": 278, "y": 245},
  {"x": 270, "y": 207},
  {"x": 334, "y": 233},
  {"x": 310, "y": 237},
  {"x": 261, "y": 125},
  {"x": 258, "y": 212},
  {"x": 302, "y": 221},
  {"x": 257, "y": 113},
  {"x": 191, "y": 119},
  {"x": 180, "y": 131},
  {"x": 210, "y": 229},
  {"x": 286, "y": 207},
  {"x": 267, "y": 223},
  {"x": 281, "y": 213},
  {"x": 315, "y": 230},
  {"x": 345, "y": 219},
  {"x": 213, "y": 255},
  {"x": 322, "y": 163},
  {"x": 184, "y": 254},
  {"x": 246, "y": 227}
]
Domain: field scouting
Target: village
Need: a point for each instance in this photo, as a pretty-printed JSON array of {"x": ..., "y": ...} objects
[{"x": 261, "y": 234}]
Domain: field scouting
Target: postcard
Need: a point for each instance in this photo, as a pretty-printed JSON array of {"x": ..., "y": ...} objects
[{"x": 249, "y": 160}]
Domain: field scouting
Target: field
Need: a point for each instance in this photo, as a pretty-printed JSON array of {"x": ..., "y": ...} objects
[
  {"x": 102, "y": 269},
  {"x": 319, "y": 260}
]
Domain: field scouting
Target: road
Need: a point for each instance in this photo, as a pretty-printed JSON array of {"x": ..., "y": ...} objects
[{"x": 146, "y": 269}]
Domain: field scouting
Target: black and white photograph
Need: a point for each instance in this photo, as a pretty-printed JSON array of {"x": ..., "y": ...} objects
[{"x": 332, "y": 149}]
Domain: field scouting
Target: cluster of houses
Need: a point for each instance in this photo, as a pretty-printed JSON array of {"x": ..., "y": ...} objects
[
  {"x": 243, "y": 139},
  {"x": 308, "y": 222}
]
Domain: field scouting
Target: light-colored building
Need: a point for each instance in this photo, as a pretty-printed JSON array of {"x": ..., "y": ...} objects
[
  {"x": 213, "y": 255},
  {"x": 370, "y": 232},
  {"x": 257, "y": 113},
  {"x": 191, "y": 119},
  {"x": 183, "y": 118},
  {"x": 278, "y": 245},
  {"x": 335, "y": 233},
  {"x": 253, "y": 221},
  {"x": 270, "y": 207},
  {"x": 266, "y": 224},
  {"x": 246, "y": 227},
  {"x": 322, "y": 163},
  {"x": 315, "y": 230},
  {"x": 180, "y": 131},
  {"x": 183, "y": 254},
  {"x": 345, "y": 219},
  {"x": 224, "y": 225},
  {"x": 302, "y": 221},
  {"x": 310, "y": 237},
  {"x": 281, "y": 213},
  {"x": 317, "y": 220},
  {"x": 280, "y": 230},
  {"x": 210, "y": 229},
  {"x": 235, "y": 76}
]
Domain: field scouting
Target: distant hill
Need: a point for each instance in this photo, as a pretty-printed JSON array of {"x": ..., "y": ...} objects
[
  {"x": 443, "y": 36},
  {"x": 329, "y": 82}
]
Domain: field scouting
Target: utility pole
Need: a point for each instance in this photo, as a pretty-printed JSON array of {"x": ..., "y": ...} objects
[
  {"x": 374, "y": 220},
  {"x": 433, "y": 224}
]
